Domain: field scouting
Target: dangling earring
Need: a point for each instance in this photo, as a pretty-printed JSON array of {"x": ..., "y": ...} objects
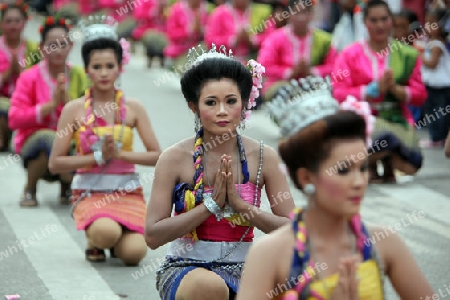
[
  {"x": 309, "y": 189},
  {"x": 242, "y": 124},
  {"x": 196, "y": 123},
  {"x": 118, "y": 83}
]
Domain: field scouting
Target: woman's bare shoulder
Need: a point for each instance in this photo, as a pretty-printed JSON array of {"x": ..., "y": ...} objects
[
  {"x": 179, "y": 151},
  {"x": 253, "y": 147},
  {"x": 278, "y": 242}
]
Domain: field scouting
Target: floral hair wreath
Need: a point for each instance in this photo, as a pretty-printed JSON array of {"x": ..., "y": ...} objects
[
  {"x": 257, "y": 70},
  {"x": 23, "y": 6},
  {"x": 53, "y": 20}
]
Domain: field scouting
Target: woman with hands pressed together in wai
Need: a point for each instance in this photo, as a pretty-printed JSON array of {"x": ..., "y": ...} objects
[
  {"x": 325, "y": 253},
  {"x": 387, "y": 74},
  {"x": 107, "y": 202},
  {"x": 36, "y": 104},
  {"x": 14, "y": 51},
  {"x": 213, "y": 181}
]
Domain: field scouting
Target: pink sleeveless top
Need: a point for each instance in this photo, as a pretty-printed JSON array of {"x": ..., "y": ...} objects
[
  {"x": 96, "y": 127},
  {"x": 224, "y": 230}
]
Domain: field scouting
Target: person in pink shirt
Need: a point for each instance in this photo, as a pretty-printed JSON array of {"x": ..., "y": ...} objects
[
  {"x": 151, "y": 28},
  {"x": 36, "y": 104},
  {"x": 185, "y": 26},
  {"x": 274, "y": 22},
  {"x": 232, "y": 25},
  {"x": 387, "y": 74},
  {"x": 14, "y": 53},
  {"x": 295, "y": 51}
]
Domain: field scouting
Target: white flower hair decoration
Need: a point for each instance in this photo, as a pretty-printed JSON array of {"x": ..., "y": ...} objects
[
  {"x": 257, "y": 70},
  {"x": 361, "y": 108},
  {"x": 95, "y": 27}
]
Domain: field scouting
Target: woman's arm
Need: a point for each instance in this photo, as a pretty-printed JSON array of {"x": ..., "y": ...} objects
[
  {"x": 278, "y": 193},
  {"x": 264, "y": 265},
  {"x": 433, "y": 61},
  {"x": 24, "y": 113},
  {"x": 147, "y": 135},
  {"x": 59, "y": 162},
  {"x": 398, "y": 262},
  {"x": 447, "y": 146},
  {"x": 160, "y": 227},
  {"x": 414, "y": 92}
]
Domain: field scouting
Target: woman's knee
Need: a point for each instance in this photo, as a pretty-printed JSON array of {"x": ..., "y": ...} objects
[
  {"x": 403, "y": 166},
  {"x": 201, "y": 284},
  {"x": 104, "y": 233},
  {"x": 131, "y": 248}
]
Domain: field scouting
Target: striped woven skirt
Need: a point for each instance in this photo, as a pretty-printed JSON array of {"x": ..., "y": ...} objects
[
  {"x": 398, "y": 138},
  {"x": 126, "y": 208},
  {"x": 173, "y": 269},
  {"x": 4, "y": 106}
]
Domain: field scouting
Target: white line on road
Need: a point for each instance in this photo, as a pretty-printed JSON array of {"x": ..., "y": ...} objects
[{"x": 58, "y": 260}]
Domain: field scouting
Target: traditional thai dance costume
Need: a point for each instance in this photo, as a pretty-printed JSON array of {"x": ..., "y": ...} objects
[
  {"x": 34, "y": 88},
  {"x": 226, "y": 22},
  {"x": 112, "y": 190},
  {"x": 283, "y": 50},
  {"x": 394, "y": 122},
  {"x": 303, "y": 282},
  {"x": 28, "y": 55},
  {"x": 180, "y": 31},
  {"x": 151, "y": 27},
  {"x": 218, "y": 246}
]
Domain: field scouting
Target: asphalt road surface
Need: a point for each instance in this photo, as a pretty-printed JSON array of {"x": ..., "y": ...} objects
[{"x": 50, "y": 265}]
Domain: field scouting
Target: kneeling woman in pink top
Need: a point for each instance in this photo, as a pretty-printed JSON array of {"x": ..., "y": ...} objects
[
  {"x": 108, "y": 201},
  {"x": 213, "y": 182},
  {"x": 36, "y": 104}
]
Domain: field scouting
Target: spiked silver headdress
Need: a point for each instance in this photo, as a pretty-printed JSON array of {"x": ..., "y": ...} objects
[
  {"x": 95, "y": 27},
  {"x": 196, "y": 55},
  {"x": 302, "y": 103}
]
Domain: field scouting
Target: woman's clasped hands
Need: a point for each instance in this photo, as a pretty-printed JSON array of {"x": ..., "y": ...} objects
[
  {"x": 109, "y": 148},
  {"x": 224, "y": 188},
  {"x": 347, "y": 286}
]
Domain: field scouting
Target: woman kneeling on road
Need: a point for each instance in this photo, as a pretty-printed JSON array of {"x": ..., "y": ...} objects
[
  {"x": 214, "y": 187},
  {"x": 107, "y": 201},
  {"x": 36, "y": 104}
]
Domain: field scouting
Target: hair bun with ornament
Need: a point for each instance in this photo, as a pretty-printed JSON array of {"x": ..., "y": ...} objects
[
  {"x": 18, "y": 4},
  {"x": 309, "y": 100},
  {"x": 98, "y": 27}
]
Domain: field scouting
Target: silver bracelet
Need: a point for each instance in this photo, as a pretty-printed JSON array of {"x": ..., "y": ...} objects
[
  {"x": 212, "y": 206},
  {"x": 98, "y": 155}
]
